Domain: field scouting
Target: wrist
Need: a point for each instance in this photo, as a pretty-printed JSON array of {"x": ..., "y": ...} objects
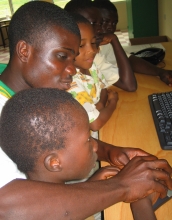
[{"x": 113, "y": 102}]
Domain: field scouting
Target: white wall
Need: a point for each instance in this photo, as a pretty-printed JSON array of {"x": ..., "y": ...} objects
[
  {"x": 165, "y": 18},
  {"x": 122, "y": 13}
]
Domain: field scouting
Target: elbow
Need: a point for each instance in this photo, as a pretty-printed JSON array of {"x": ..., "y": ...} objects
[
  {"x": 95, "y": 126},
  {"x": 126, "y": 85},
  {"x": 131, "y": 88}
]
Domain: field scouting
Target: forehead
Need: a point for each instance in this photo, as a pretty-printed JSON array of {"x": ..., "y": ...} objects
[
  {"x": 109, "y": 15},
  {"x": 86, "y": 28},
  {"x": 58, "y": 36},
  {"x": 91, "y": 14},
  {"x": 79, "y": 115}
]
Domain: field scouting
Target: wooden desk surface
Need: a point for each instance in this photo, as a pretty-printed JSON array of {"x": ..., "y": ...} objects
[{"x": 132, "y": 125}]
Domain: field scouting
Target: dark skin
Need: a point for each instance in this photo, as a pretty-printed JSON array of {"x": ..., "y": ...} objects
[
  {"x": 84, "y": 61},
  {"x": 138, "y": 65},
  {"x": 52, "y": 65},
  {"x": 127, "y": 79},
  {"x": 116, "y": 189},
  {"x": 141, "y": 209}
]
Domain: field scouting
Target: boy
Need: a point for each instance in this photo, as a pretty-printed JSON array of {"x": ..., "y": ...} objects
[
  {"x": 109, "y": 15},
  {"x": 44, "y": 144},
  {"x": 89, "y": 84},
  {"x": 41, "y": 55},
  {"x": 134, "y": 64},
  {"x": 121, "y": 76},
  {"x": 38, "y": 130}
]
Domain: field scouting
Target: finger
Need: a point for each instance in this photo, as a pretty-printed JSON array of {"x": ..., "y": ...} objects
[
  {"x": 138, "y": 152},
  {"x": 122, "y": 160},
  {"x": 110, "y": 172},
  {"x": 113, "y": 168},
  {"x": 162, "y": 164},
  {"x": 159, "y": 164},
  {"x": 163, "y": 178}
]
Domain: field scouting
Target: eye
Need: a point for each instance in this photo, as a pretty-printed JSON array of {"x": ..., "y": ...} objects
[
  {"x": 62, "y": 56},
  {"x": 114, "y": 23},
  {"x": 93, "y": 23},
  {"x": 81, "y": 46},
  {"x": 94, "y": 44}
]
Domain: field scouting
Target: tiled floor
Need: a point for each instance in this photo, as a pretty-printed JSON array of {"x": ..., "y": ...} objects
[
  {"x": 122, "y": 35},
  {"x": 4, "y": 54}
]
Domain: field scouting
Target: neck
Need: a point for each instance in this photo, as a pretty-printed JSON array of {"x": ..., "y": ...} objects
[
  {"x": 44, "y": 176},
  {"x": 85, "y": 71},
  {"x": 13, "y": 79}
]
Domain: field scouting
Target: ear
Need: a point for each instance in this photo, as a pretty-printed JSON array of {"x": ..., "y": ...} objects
[
  {"x": 52, "y": 163},
  {"x": 23, "y": 50}
]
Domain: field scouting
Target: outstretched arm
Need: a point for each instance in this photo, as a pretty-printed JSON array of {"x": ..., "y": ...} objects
[
  {"x": 127, "y": 80},
  {"x": 141, "y": 66},
  {"x": 31, "y": 200},
  {"x": 117, "y": 156}
]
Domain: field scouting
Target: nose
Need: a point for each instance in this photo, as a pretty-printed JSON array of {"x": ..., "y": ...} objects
[
  {"x": 109, "y": 25},
  {"x": 71, "y": 69},
  {"x": 98, "y": 28},
  {"x": 91, "y": 50}
]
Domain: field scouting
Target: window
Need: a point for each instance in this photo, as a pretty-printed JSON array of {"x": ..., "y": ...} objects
[
  {"x": 4, "y": 8},
  {"x": 61, "y": 3},
  {"x": 17, "y": 3},
  {"x": 8, "y": 7}
]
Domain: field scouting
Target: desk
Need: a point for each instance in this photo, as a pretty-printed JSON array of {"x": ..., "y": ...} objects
[{"x": 132, "y": 125}]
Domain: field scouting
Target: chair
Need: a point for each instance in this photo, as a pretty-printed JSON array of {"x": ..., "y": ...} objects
[{"x": 3, "y": 29}]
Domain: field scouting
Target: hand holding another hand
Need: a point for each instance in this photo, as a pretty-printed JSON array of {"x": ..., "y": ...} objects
[{"x": 144, "y": 175}]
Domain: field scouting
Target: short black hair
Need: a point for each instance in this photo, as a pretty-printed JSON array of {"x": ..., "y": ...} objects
[
  {"x": 106, "y": 4},
  {"x": 33, "y": 20},
  {"x": 76, "y": 6},
  {"x": 34, "y": 121},
  {"x": 79, "y": 18}
]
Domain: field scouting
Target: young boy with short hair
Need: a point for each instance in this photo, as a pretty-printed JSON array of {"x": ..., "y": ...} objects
[{"x": 39, "y": 132}]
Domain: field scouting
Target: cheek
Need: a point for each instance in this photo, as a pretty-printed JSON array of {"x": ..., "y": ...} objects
[{"x": 78, "y": 60}]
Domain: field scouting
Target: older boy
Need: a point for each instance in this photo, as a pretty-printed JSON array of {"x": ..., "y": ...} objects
[
  {"x": 110, "y": 18},
  {"x": 41, "y": 55}
]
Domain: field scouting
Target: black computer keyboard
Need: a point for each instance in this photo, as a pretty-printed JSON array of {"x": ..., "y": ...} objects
[{"x": 161, "y": 108}]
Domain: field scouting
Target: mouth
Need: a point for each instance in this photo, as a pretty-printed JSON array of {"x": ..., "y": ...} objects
[
  {"x": 90, "y": 60},
  {"x": 99, "y": 37},
  {"x": 66, "y": 85}
]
